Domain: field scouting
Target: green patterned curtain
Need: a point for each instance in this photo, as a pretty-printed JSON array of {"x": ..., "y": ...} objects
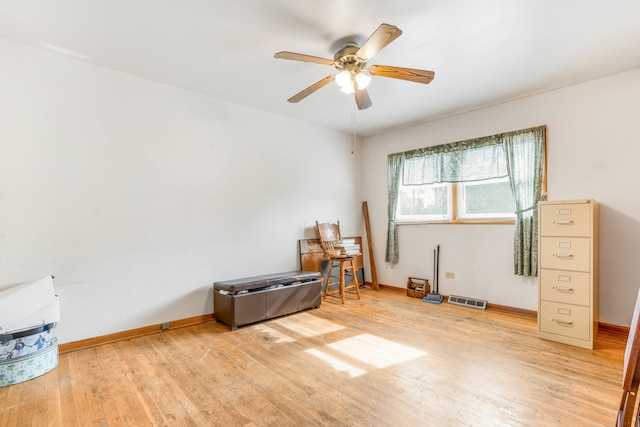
[
  {"x": 519, "y": 155},
  {"x": 394, "y": 170},
  {"x": 525, "y": 158},
  {"x": 473, "y": 160}
]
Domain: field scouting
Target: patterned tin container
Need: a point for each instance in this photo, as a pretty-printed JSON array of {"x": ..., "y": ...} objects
[{"x": 27, "y": 354}]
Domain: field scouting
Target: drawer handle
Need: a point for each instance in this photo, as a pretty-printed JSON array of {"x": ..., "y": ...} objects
[
  {"x": 562, "y": 322},
  {"x": 565, "y": 256},
  {"x": 562, "y": 289},
  {"x": 563, "y": 222}
]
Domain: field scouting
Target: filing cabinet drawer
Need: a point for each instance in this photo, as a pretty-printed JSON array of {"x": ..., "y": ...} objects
[
  {"x": 565, "y": 253},
  {"x": 565, "y": 319},
  {"x": 571, "y": 219},
  {"x": 570, "y": 287}
]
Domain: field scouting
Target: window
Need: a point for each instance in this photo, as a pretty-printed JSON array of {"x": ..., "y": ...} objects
[
  {"x": 478, "y": 167},
  {"x": 489, "y": 199},
  {"x": 424, "y": 203},
  {"x": 485, "y": 200},
  {"x": 465, "y": 183}
]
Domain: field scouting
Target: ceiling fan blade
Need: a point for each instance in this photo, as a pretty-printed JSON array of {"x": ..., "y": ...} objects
[
  {"x": 411, "y": 74},
  {"x": 380, "y": 38},
  {"x": 314, "y": 87},
  {"x": 362, "y": 98},
  {"x": 305, "y": 58}
]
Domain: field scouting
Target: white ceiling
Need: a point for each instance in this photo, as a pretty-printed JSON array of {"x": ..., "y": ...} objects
[{"x": 483, "y": 52}]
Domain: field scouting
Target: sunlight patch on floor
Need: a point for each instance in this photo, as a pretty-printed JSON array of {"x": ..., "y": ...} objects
[
  {"x": 336, "y": 363},
  {"x": 368, "y": 349},
  {"x": 308, "y": 325},
  {"x": 376, "y": 351}
]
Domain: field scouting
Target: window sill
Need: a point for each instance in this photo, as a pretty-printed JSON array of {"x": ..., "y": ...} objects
[{"x": 460, "y": 221}]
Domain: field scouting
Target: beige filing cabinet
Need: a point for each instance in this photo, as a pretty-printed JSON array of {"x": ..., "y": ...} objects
[{"x": 568, "y": 271}]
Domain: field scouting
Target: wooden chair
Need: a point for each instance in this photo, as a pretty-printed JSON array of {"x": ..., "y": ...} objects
[
  {"x": 345, "y": 264},
  {"x": 631, "y": 373}
]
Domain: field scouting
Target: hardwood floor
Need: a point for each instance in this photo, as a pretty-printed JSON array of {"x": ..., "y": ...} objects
[{"x": 385, "y": 360}]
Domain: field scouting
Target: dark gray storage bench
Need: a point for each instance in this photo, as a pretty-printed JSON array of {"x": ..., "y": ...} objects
[{"x": 252, "y": 299}]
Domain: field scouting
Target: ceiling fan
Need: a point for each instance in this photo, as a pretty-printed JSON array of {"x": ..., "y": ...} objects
[{"x": 351, "y": 61}]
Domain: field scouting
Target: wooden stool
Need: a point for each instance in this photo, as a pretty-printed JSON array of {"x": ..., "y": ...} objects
[
  {"x": 331, "y": 242},
  {"x": 345, "y": 265}
]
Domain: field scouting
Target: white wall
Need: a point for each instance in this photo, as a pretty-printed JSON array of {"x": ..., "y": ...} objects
[
  {"x": 137, "y": 196},
  {"x": 593, "y": 151}
]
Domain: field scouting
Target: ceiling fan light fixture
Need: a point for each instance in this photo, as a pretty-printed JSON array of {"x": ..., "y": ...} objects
[
  {"x": 362, "y": 80},
  {"x": 345, "y": 81}
]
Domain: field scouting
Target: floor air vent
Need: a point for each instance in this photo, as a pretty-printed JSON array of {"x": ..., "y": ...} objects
[{"x": 468, "y": 302}]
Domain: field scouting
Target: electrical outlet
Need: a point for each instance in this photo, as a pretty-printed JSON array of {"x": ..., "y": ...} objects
[
  {"x": 450, "y": 275},
  {"x": 165, "y": 326}
]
